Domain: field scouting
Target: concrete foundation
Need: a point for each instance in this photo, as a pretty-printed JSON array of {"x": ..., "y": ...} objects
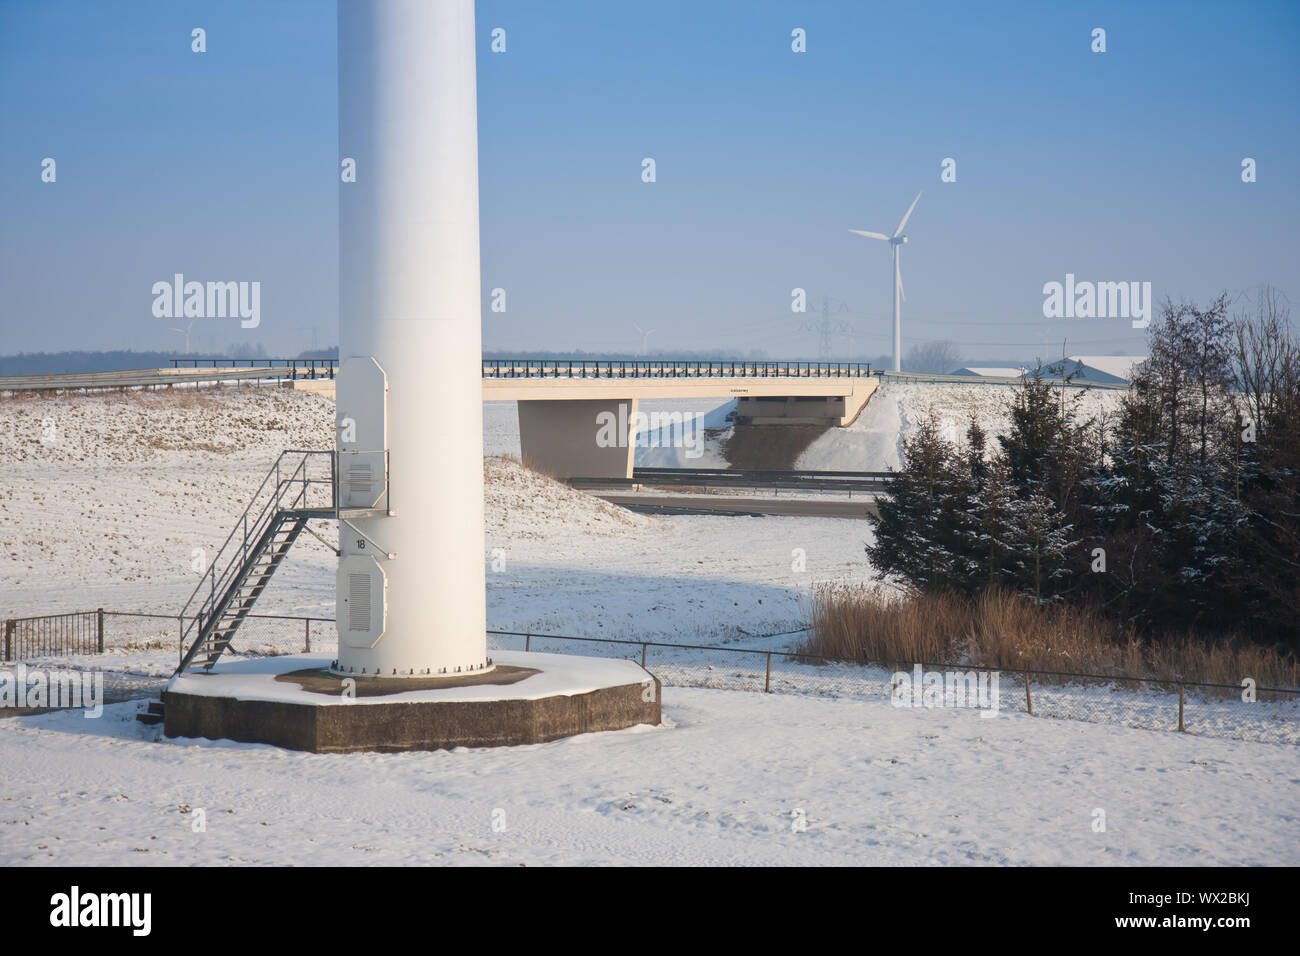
[{"x": 294, "y": 702}]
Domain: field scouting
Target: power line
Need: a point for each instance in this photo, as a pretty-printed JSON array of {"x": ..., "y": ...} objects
[{"x": 827, "y": 329}]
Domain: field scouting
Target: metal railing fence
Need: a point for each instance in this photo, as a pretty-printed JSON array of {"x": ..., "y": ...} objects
[{"x": 54, "y": 635}]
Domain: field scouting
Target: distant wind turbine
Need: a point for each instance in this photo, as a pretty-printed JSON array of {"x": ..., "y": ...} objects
[
  {"x": 895, "y": 241},
  {"x": 186, "y": 332},
  {"x": 645, "y": 338}
]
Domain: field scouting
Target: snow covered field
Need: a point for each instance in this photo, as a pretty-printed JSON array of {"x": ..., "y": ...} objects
[
  {"x": 109, "y": 509},
  {"x": 105, "y": 498},
  {"x": 728, "y": 779}
]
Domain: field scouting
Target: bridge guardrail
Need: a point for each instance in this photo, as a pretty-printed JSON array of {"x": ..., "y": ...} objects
[
  {"x": 297, "y": 368},
  {"x": 632, "y": 368},
  {"x": 843, "y": 481}
]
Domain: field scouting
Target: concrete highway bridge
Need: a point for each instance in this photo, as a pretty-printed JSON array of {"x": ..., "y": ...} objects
[
  {"x": 577, "y": 418},
  {"x": 562, "y": 405}
]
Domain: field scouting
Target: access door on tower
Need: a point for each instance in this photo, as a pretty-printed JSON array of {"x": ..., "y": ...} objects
[{"x": 362, "y": 422}]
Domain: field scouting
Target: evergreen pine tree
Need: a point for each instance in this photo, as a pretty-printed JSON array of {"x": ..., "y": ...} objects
[
  {"x": 1039, "y": 546},
  {"x": 914, "y": 527}
]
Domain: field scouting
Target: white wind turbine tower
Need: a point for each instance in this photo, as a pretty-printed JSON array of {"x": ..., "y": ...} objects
[
  {"x": 186, "y": 332},
  {"x": 645, "y": 338},
  {"x": 895, "y": 241}
]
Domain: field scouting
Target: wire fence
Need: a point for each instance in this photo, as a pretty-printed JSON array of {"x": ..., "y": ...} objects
[
  {"x": 1268, "y": 714},
  {"x": 263, "y": 634}
]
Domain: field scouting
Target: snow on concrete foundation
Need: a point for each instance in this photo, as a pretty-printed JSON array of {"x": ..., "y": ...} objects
[{"x": 561, "y": 675}]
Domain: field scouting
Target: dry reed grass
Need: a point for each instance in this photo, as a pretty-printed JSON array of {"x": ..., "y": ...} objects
[{"x": 1010, "y": 632}]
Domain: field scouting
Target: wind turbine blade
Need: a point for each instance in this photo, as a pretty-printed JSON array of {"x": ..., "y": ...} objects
[
  {"x": 901, "y": 294},
  {"x": 869, "y": 235},
  {"x": 907, "y": 215}
]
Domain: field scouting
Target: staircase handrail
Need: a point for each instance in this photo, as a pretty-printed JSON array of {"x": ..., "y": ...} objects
[{"x": 214, "y": 584}]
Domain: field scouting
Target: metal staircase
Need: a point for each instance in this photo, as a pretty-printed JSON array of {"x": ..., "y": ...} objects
[{"x": 302, "y": 485}]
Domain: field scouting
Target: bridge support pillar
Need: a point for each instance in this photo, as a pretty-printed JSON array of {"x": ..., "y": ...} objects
[{"x": 583, "y": 438}]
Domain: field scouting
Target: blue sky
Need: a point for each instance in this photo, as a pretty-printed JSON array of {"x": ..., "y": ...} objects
[{"x": 1115, "y": 166}]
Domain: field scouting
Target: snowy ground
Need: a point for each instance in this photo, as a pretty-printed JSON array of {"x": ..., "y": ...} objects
[
  {"x": 105, "y": 497},
  {"x": 728, "y": 779},
  {"x": 109, "y": 510}
]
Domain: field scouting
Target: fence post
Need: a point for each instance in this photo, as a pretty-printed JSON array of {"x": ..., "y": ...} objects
[
  {"x": 1029, "y": 701},
  {"x": 767, "y": 679},
  {"x": 306, "y": 627},
  {"x": 9, "y": 639},
  {"x": 1181, "y": 728},
  {"x": 99, "y": 628},
  {"x": 643, "y": 657},
  {"x": 528, "y": 641}
]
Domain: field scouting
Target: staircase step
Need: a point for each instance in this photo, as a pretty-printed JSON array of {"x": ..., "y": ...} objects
[
  {"x": 247, "y": 579},
  {"x": 154, "y": 715}
]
